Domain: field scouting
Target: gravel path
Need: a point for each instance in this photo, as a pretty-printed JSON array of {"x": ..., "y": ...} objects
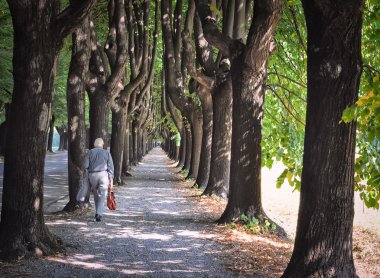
[{"x": 156, "y": 231}]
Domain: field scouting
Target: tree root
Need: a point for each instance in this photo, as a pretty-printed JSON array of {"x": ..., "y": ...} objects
[
  {"x": 255, "y": 219},
  {"x": 16, "y": 249}
]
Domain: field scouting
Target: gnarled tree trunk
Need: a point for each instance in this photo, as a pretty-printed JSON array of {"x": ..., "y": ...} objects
[
  {"x": 76, "y": 82},
  {"x": 22, "y": 229}
]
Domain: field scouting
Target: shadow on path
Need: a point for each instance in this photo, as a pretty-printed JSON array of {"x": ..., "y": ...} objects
[{"x": 155, "y": 232}]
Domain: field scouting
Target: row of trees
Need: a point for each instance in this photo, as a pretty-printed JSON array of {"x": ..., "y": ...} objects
[
  {"x": 216, "y": 63},
  {"x": 216, "y": 75},
  {"x": 118, "y": 78}
]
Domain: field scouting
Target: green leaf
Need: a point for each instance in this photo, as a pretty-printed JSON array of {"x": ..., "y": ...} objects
[{"x": 349, "y": 114}]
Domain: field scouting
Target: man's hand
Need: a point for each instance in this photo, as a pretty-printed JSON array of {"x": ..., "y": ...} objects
[{"x": 110, "y": 186}]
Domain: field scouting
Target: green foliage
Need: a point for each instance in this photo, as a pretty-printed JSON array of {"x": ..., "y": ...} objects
[
  {"x": 195, "y": 186},
  {"x": 168, "y": 122},
  {"x": 366, "y": 111},
  {"x": 254, "y": 225},
  {"x": 184, "y": 171},
  {"x": 285, "y": 100},
  {"x": 285, "y": 105},
  {"x": 59, "y": 100},
  {"x": 231, "y": 226},
  {"x": 215, "y": 10},
  {"x": 6, "y": 54}
]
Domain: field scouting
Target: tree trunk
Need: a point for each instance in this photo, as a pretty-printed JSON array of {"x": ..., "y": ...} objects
[
  {"x": 196, "y": 131},
  {"x": 99, "y": 116},
  {"x": 139, "y": 144},
  {"x": 63, "y": 137},
  {"x": 143, "y": 149},
  {"x": 51, "y": 134},
  {"x": 126, "y": 158},
  {"x": 131, "y": 159},
  {"x": 248, "y": 75},
  {"x": 188, "y": 147},
  {"x": 323, "y": 243},
  {"x": 117, "y": 141},
  {"x": 38, "y": 36},
  {"x": 205, "y": 159},
  {"x": 22, "y": 224},
  {"x": 221, "y": 141},
  {"x": 182, "y": 149},
  {"x": 65, "y": 145},
  {"x": 76, "y": 82},
  {"x": 134, "y": 141},
  {"x": 245, "y": 179}
]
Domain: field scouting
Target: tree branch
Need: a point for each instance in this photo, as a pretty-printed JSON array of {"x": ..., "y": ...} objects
[
  {"x": 203, "y": 49},
  {"x": 117, "y": 71},
  {"x": 224, "y": 43},
  {"x": 286, "y": 89},
  {"x": 71, "y": 17},
  {"x": 189, "y": 58},
  {"x": 173, "y": 78},
  {"x": 287, "y": 109},
  {"x": 134, "y": 83},
  {"x": 288, "y": 78},
  {"x": 149, "y": 80}
]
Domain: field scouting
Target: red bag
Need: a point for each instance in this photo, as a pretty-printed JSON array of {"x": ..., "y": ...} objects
[{"x": 111, "y": 203}]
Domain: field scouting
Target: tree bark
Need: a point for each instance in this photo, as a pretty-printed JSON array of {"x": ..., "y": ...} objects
[
  {"x": 182, "y": 149},
  {"x": 248, "y": 75},
  {"x": 205, "y": 159},
  {"x": 134, "y": 142},
  {"x": 323, "y": 244},
  {"x": 188, "y": 147},
  {"x": 126, "y": 158},
  {"x": 99, "y": 117},
  {"x": 51, "y": 134},
  {"x": 196, "y": 132},
  {"x": 131, "y": 159},
  {"x": 219, "y": 179},
  {"x": 76, "y": 84},
  {"x": 119, "y": 121},
  {"x": 22, "y": 229},
  {"x": 62, "y": 131}
]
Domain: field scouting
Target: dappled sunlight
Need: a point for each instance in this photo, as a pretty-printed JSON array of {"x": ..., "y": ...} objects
[
  {"x": 65, "y": 222},
  {"x": 194, "y": 234},
  {"x": 154, "y": 231},
  {"x": 154, "y": 236},
  {"x": 80, "y": 260}
]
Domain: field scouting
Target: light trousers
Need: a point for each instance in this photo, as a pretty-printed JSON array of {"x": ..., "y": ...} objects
[{"x": 99, "y": 186}]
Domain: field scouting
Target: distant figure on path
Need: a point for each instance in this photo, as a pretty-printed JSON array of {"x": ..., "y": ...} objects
[{"x": 99, "y": 164}]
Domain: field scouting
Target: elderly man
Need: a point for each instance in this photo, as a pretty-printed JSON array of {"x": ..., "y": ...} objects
[{"x": 98, "y": 162}]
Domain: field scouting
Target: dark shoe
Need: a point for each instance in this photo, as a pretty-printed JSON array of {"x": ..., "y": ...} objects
[{"x": 98, "y": 217}]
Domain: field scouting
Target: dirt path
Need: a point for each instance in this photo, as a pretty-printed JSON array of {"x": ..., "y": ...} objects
[{"x": 156, "y": 232}]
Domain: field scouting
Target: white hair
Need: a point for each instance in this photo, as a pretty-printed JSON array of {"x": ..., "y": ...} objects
[{"x": 98, "y": 142}]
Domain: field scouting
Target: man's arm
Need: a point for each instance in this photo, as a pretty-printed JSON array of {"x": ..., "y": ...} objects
[{"x": 110, "y": 170}]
